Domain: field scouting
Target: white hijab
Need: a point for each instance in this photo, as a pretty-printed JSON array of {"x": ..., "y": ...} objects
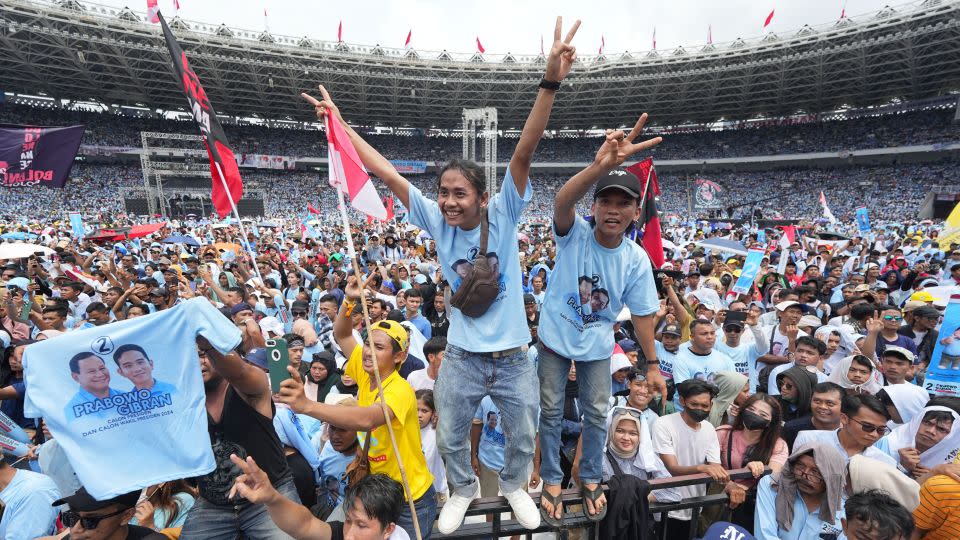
[
  {"x": 645, "y": 457},
  {"x": 944, "y": 451},
  {"x": 909, "y": 399},
  {"x": 839, "y": 376}
]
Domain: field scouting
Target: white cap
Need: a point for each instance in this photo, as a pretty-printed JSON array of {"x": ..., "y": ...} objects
[
  {"x": 271, "y": 324},
  {"x": 619, "y": 361},
  {"x": 787, "y": 303}
]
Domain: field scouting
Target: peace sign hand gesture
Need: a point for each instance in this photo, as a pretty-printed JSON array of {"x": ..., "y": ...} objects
[
  {"x": 617, "y": 147},
  {"x": 323, "y": 107},
  {"x": 562, "y": 54}
]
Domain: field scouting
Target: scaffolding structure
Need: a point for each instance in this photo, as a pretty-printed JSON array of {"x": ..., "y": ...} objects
[{"x": 484, "y": 121}]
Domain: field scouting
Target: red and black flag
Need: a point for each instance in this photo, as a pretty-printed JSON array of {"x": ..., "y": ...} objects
[
  {"x": 652, "y": 240},
  {"x": 227, "y": 185}
]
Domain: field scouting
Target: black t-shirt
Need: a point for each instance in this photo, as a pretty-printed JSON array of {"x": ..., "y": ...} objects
[
  {"x": 136, "y": 532},
  {"x": 790, "y": 430},
  {"x": 336, "y": 530}
]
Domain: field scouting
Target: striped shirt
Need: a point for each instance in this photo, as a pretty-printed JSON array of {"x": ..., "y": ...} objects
[{"x": 939, "y": 510}]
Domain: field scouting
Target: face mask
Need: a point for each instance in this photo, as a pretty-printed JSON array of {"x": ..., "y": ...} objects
[
  {"x": 754, "y": 421},
  {"x": 697, "y": 415}
]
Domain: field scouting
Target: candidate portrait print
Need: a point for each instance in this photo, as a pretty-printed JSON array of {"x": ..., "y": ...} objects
[
  {"x": 134, "y": 365},
  {"x": 91, "y": 373}
]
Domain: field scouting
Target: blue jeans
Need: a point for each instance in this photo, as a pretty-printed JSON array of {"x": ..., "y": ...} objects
[
  {"x": 426, "y": 507},
  {"x": 207, "y": 521},
  {"x": 511, "y": 382},
  {"x": 593, "y": 380}
]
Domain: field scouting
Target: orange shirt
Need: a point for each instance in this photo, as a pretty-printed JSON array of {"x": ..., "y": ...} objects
[{"x": 939, "y": 510}]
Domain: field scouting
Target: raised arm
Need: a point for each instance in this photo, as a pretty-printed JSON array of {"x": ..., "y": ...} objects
[
  {"x": 616, "y": 148},
  {"x": 378, "y": 165},
  {"x": 559, "y": 62},
  {"x": 246, "y": 378},
  {"x": 343, "y": 326}
]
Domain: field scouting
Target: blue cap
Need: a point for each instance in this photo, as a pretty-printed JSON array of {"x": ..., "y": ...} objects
[
  {"x": 723, "y": 530},
  {"x": 258, "y": 357},
  {"x": 628, "y": 345},
  {"x": 21, "y": 283}
]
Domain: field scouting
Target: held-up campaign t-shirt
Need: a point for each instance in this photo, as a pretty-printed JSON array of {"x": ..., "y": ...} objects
[
  {"x": 125, "y": 429},
  {"x": 503, "y": 326},
  {"x": 492, "y": 440},
  {"x": 589, "y": 287}
]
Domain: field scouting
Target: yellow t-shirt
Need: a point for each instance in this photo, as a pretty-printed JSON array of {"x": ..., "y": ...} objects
[{"x": 406, "y": 426}]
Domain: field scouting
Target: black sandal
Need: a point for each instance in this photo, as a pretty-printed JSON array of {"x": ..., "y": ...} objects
[
  {"x": 592, "y": 495},
  {"x": 557, "y": 502}
]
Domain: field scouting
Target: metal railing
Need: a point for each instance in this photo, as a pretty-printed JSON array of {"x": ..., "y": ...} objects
[{"x": 499, "y": 527}]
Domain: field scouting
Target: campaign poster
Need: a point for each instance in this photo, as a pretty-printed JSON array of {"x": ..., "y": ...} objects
[
  {"x": 863, "y": 220},
  {"x": 943, "y": 374}
]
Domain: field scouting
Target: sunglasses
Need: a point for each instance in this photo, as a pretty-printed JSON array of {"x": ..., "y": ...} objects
[
  {"x": 733, "y": 329},
  {"x": 870, "y": 428},
  {"x": 627, "y": 410},
  {"x": 892, "y": 318},
  {"x": 88, "y": 522},
  {"x": 299, "y": 313}
]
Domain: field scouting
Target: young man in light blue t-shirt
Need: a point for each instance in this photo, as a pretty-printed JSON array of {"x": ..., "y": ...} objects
[
  {"x": 597, "y": 273},
  {"x": 486, "y": 355}
]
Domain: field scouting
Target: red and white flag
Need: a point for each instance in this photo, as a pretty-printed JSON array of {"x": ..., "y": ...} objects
[
  {"x": 603, "y": 43},
  {"x": 153, "y": 11},
  {"x": 654, "y": 38},
  {"x": 348, "y": 174},
  {"x": 409, "y": 35},
  {"x": 176, "y": 5},
  {"x": 788, "y": 237},
  {"x": 340, "y": 31},
  {"x": 826, "y": 209},
  {"x": 767, "y": 22},
  {"x": 480, "y": 48},
  {"x": 843, "y": 10},
  {"x": 388, "y": 201}
]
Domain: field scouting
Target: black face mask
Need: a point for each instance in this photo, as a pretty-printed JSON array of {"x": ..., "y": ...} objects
[
  {"x": 754, "y": 421},
  {"x": 697, "y": 415}
]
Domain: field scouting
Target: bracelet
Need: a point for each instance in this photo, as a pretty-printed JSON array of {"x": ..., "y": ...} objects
[
  {"x": 549, "y": 85},
  {"x": 348, "y": 308},
  {"x": 653, "y": 361}
]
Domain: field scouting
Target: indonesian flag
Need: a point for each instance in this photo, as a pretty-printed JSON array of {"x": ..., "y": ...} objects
[
  {"x": 340, "y": 31},
  {"x": 227, "y": 184},
  {"x": 311, "y": 209},
  {"x": 652, "y": 240},
  {"x": 769, "y": 19},
  {"x": 480, "y": 46},
  {"x": 75, "y": 273},
  {"x": 348, "y": 175},
  {"x": 176, "y": 5},
  {"x": 153, "y": 11},
  {"x": 788, "y": 237},
  {"x": 603, "y": 43},
  {"x": 409, "y": 35},
  {"x": 654, "y": 38},
  {"x": 826, "y": 209}
]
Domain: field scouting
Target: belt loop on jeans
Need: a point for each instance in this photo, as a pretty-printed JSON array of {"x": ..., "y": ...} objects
[{"x": 508, "y": 352}]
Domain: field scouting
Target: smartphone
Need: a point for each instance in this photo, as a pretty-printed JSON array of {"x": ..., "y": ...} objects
[
  {"x": 27, "y": 306},
  {"x": 278, "y": 358}
]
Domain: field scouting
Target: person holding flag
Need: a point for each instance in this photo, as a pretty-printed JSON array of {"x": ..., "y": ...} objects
[
  {"x": 486, "y": 353},
  {"x": 571, "y": 331}
]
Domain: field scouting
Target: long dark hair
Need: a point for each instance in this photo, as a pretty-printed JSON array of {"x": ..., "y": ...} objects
[
  {"x": 162, "y": 497},
  {"x": 763, "y": 449}
]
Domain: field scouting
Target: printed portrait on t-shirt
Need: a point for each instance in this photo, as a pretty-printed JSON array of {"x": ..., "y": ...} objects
[
  {"x": 591, "y": 300},
  {"x": 463, "y": 267}
]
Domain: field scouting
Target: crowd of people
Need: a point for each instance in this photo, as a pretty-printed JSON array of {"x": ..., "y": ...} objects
[
  {"x": 488, "y": 344},
  {"x": 929, "y": 126}
]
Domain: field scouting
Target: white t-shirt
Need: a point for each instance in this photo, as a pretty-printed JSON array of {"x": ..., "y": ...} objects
[
  {"x": 671, "y": 435},
  {"x": 774, "y": 342},
  {"x": 419, "y": 380}
]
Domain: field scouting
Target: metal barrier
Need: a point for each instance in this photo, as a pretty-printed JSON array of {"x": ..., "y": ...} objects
[{"x": 499, "y": 527}]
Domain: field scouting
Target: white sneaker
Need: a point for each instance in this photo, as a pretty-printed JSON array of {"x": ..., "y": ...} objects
[
  {"x": 451, "y": 515},
  {"x": 524, "y": 509}
]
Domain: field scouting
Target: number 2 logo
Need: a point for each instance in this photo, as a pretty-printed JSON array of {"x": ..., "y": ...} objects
[{"x": 102, "y": 345}]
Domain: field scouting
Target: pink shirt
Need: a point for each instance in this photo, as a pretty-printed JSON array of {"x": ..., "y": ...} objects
[{"x": 779, "y": 455}]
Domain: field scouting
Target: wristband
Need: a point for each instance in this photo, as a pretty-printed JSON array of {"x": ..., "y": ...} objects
[
  {"x": 653, "y": 361},
  {"x": 549, "y": 85},
  {"x": 348, "y": 308}
]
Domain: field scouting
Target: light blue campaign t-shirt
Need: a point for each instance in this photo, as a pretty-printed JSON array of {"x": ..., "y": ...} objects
[
  {"x": 492, "y": 440},
  {"x": 503, "y": 326},
  {"x": 28, "y": 513},
  {"x": 150, "y": 435},
  {"x": 690, "y": 365},
  {"x": 589, "y": 287}
]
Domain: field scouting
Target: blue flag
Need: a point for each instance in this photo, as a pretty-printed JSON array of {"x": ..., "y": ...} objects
[
  {"x": 76, "y": 224},
  {"x": 125, "y": 401},
  {"x": 750, "y": 268},
  {"x": 863, "y": 220}
]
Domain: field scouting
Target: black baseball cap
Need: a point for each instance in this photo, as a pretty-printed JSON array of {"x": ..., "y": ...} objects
[
  {"x": 81, "y": 501},
  {"x": 735, "y": 318},
  {"x": 619, "y": 179},
  {"x": 529, "y": 299},
  {"x": 671, "y": 329}
]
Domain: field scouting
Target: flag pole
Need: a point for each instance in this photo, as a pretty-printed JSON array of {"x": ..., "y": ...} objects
[
  {"x": 351, "y": 252},
  {"x": 646, "y": 185},
  {"x": 236, "y": 213}
]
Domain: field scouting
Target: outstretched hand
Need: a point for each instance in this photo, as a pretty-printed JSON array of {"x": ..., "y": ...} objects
[
  {"x": 562, "y": 53},
  {"x": 618, "y": 147},
  {"x": 323, "y": 107},
  {"x": 253, "y": 485}
]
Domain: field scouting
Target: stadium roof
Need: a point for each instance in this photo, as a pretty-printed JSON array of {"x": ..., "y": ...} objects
[{"x": 74, "y": 50}]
